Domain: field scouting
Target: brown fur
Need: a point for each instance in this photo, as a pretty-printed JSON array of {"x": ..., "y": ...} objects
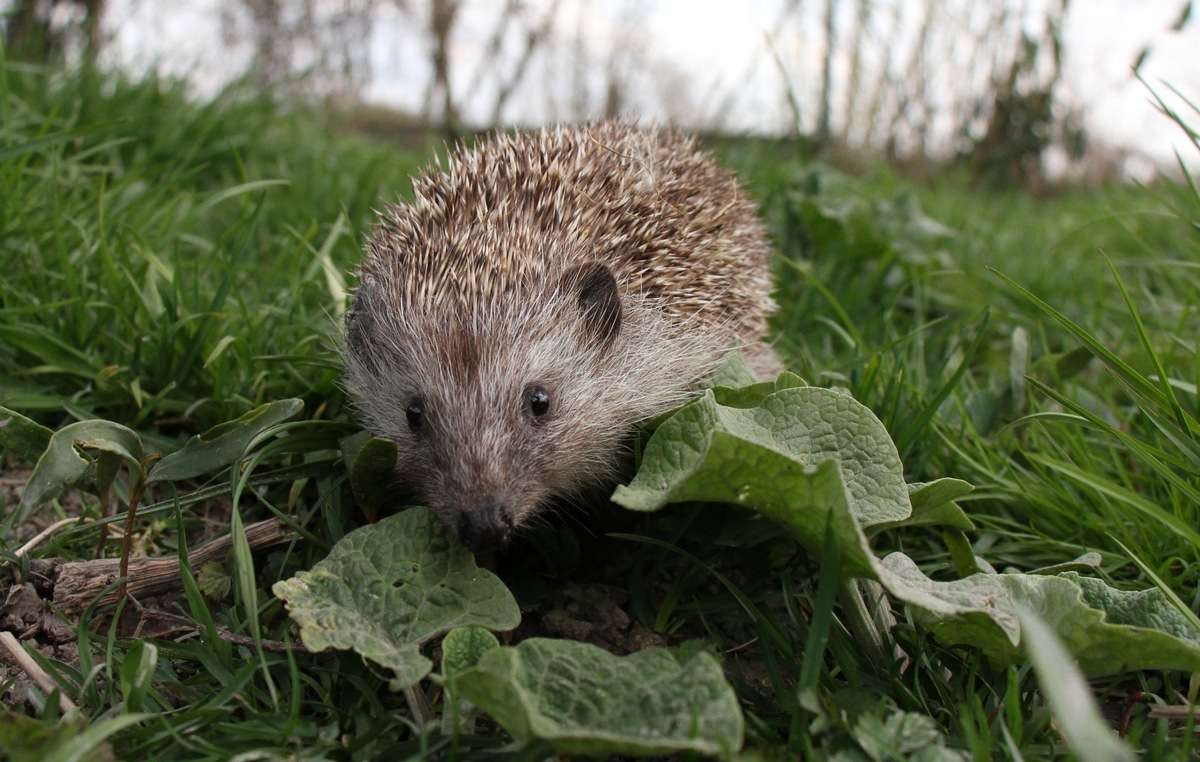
[{"x": 610, "y": 267}]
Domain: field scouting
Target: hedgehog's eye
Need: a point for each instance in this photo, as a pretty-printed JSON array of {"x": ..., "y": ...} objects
[
  {"x": 415, "y": 413},
  {"x": 538, "y": 401}
]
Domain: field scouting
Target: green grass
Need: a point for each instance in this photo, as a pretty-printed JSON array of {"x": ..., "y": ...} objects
[
  {"x": 168, "y": 267},
  {"x": 165, "y": 260},
  {"x": 906, "y": 289}
]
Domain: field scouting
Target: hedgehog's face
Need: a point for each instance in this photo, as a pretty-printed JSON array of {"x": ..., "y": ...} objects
[{"x": 498, "y": 411}]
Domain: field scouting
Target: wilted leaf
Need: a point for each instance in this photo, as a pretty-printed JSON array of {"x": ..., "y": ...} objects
[
  {"x": 1107, "y": 630},
  {"x": 709, "y": 447},
  {"x": 214, "y": 580},
  {"x": 389, "y": 587},
  {"x": 63, "y": 463},
  {"x": 806, "y": 456},
  {"x": 224, "y": 444},
  {"x": 583, "y": 700}
]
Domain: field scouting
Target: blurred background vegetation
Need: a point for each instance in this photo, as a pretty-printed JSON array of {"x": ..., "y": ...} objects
[{"x": 990, "y": 86}]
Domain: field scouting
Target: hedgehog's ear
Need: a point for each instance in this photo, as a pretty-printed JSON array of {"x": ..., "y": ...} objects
[{"x": 598, "y": 300}]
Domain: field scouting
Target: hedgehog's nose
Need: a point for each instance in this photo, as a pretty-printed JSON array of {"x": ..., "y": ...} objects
[{"x": 486, "y": 528}]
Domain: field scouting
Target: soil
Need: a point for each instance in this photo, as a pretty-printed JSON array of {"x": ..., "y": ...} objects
[
  {"x": 12, "y": 483},
  {"x": 594, "y": 614},
  {"x": 28, "y": 609}
]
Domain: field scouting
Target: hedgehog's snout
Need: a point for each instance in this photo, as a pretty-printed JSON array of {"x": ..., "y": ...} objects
[{"x": 486, "y": 528}]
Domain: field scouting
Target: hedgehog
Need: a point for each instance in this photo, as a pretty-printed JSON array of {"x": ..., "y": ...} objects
[{"x": 542, "y": 296}]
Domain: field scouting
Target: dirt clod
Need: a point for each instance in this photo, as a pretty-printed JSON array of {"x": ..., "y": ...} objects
[{"x": 594, "y": 614}]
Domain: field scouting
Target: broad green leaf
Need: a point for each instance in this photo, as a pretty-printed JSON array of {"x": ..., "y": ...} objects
[
  {"x": 1069, "y": 695},
  {"x": 64, "y": 462},
  {"x": 584, "y": 700},
  {"x": 1170, "y": 595},
  {"x": 754, "y": 394},
  {"x": 733, "y": 371},
  {"x": 930, "y": 497},
  {"x": 933, "y": 505},
  {"x": 903, "y": 735},
  {"x": 351, "y": 445},
  {"x": 224, "y": 444},
  {"x": 806, "y": 456},
  {"x": 462, "y": 648},
  {"x": 730, "y": 451},
  {"x": 389, "y": 587},
  {"x": 21, "y": 436},
  {"x": 1088, "y": 562},
  {"x": 1140, "y": 610},
  {"x": 1107, "y": 630},
  {"x": 810, "y": 457}
]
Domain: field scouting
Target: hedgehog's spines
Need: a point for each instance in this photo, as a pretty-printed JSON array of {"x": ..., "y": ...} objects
[{"x": 610, "y": 266}]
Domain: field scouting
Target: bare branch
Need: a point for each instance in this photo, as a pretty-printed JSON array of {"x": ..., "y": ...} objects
[{"x": 533, "y": 39}]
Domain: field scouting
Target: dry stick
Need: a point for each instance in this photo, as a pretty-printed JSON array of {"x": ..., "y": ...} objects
[
  {"x": 741, "y": 647},
  {"x": 135, "y": 498},
  {"x": 35, "y": 673},
  {"x": 1173, "y": 711},
  {"x": 80, "y": 582},
  {"x": 127, "y": 539},
  {"x": 40, "y": 537}
]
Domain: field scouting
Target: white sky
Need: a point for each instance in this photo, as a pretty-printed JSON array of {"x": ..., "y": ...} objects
[
  {"x": 705, "y": 61},
  {"x": 1103, "y": 39}
]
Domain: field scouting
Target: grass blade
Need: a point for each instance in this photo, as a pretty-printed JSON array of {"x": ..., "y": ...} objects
[
  {"x": 1168, "y": 391},
  {"x": 1070, "y": 698},
  {"x": 1093, "y": 344}
]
